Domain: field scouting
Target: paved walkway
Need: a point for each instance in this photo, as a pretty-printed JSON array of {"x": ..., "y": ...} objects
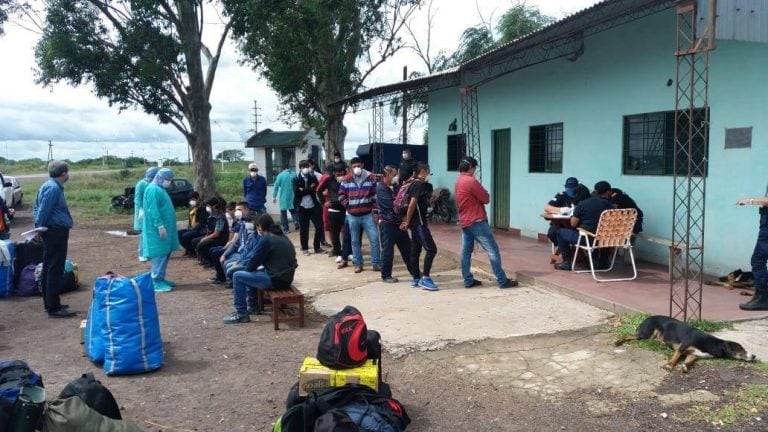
[{"x": 649, "y": 293}]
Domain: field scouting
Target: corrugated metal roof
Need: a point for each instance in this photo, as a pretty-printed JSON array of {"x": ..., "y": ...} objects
[
  {"x": 738, "y": 20},
  {"x": 270, "y": 138}
]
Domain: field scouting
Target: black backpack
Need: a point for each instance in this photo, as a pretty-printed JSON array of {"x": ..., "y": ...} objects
[
  {"x": 303, "y": 417},
  {"x": 94, "y": 394},
  {"x": 14, "y": 374},
  {"x": 343, "y": 343}
]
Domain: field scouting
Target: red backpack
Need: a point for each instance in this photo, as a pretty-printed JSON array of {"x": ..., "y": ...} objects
[
  {"x": 344, "y": 341},
  {"x": 403, "y": 199}
]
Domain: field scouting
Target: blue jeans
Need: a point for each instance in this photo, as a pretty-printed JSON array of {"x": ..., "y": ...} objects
[
  {"x": 391, "y": 236},
  {"x": 481, "y": 232},
  {"x": 284, "y": 219},
  {"x": 366, "y": 221},
  {"x": 566, "y": 237},
  {"x": 159, "y": 265},
  {"x": 245, "y": 284}
]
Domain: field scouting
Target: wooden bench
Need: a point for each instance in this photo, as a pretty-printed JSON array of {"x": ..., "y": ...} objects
[
  {"x": 674, "y": 251},
  {"x": 280, "y": 298}
]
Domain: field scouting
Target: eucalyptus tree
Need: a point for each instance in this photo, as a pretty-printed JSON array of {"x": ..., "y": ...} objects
[{"x": 145, "y": 54}]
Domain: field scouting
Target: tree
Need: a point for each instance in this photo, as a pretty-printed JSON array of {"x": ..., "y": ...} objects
[
  {"x": 315, "y": 52},
  {"x": 138, "y": 54},
  {"x": 231, "y": 155},
  {"x": 519, "y": 21},
  {"x": 9, "y": 8}
]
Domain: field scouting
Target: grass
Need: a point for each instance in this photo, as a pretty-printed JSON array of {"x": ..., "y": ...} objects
[
  {"x": 89, "y": 195},
  {"x": 748, "y": 401}
]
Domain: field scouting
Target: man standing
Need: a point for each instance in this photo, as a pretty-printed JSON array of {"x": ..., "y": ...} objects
[
  {"x": 283, "y": 190},
  {"x": 389, "y": 228},
  {"x": 759, "y": 301},
  {"x": 586, "y": 215},
  {"x": 305, "y": 200},
  {"x": 406, "y": 167},
  {"x": 255, "y": 190},
  {"x": 357, "y": 193},
  {"x": 51, "y": 212},
  {"x": 416, "y": 220},
  {"x": 328, "y": 194},
  {"x": 138, "y": 203},
  {"x": 471, "y": 198},
  {"x": 158, "y": 231}
]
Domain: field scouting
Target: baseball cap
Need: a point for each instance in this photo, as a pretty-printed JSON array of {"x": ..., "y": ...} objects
[
  {"x": 572, "y": 182},
  {"x": 252, "y": 166},
  {"x": 602, "y": 187}
]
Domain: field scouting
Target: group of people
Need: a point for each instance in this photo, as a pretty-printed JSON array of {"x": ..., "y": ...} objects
[{"x": 584, "y": 209}]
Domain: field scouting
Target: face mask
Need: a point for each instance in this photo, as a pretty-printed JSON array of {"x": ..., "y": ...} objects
[
  {"x": 570, "y": 192},
  {"x": 337, "y": 160},
  {"x": 166, "y": 184},
  {"x": 305, "y": 171},
  {"x": 209, "y": 209},
  {"x": 395, "y": 179},
  {"x": 254, "y": 174},
  {"x": 357, "y": 171},
  {"x": 339, "y": 178},
  {"x": 238, "y": 214},
  {"x": 249, "y": 226},
  {"x": 192, "y": 203},
  {"x": 428, "y": 178},
  {"x": 405, "y": 156}
]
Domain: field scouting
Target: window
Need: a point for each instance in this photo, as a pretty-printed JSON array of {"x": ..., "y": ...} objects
[
  {"x": 457, "y": 148},
  {"x": 649, "y": 143},
  {"x": 277, "y": 159},
  {"x": 546, "y": 149}
]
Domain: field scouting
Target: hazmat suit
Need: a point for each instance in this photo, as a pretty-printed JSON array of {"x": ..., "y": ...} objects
[
  {"x": 138, "y": 202},
  {"x": 158, "y": 232}
]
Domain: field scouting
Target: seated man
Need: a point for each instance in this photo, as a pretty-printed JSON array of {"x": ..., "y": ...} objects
[
  {"x": 623, "y": 201},
  {"x": 586, "y": 215},
  {"x": 573, "y": 194},
  {"x": 238, "y": 237},
  {"x": 276, "y": 253}
]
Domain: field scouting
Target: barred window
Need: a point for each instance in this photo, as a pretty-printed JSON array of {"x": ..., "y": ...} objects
[
  {"x": 457, "y": 148},
  {"x": 546, "y": 149}
]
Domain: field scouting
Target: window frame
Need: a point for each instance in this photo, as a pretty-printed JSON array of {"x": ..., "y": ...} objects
[
  {"x": 548, "y": 145},
  {"x": 455, "y": 155},
  {"x": 271, "y": 170}
]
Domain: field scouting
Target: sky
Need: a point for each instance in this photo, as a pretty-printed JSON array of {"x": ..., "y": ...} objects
[{"x": 79, "y": 125}]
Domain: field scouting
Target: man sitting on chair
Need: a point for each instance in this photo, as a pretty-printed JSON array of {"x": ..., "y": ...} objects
[{"x": 586, "y": 215}]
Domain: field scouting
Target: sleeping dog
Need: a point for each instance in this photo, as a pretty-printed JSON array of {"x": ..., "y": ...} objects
[{"x": 686, "y": 341}]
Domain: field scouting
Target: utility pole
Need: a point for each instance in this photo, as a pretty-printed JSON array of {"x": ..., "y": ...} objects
[
  {"x": 50, "y": 151},
  {"x": 256, "y": 117},
  {"x": 405, "y": 110}
]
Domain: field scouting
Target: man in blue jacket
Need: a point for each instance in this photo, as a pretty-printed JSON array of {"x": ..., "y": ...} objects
[
  {"x": 51, "y": 212},
  {"x": 255, "y": 190}
]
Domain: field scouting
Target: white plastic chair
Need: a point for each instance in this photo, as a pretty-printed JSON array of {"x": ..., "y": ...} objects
[{"x": 613, "y": 231}]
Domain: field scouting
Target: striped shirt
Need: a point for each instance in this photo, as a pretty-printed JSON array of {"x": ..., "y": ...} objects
[{"x": 358, "y": 194}]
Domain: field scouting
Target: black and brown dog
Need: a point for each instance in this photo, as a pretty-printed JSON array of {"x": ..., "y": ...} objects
[{"x": 686, "y": 341}]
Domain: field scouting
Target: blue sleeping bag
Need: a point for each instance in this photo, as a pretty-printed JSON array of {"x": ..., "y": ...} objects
[
  {"x": 123, "y": 330},
  {"x": 6, "y": 268}
]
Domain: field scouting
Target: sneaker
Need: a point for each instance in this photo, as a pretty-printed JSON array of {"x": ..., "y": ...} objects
[
  {"x": 235, "y": 318},
  {"x": 565, "y": 265},
  {"x": 320, "y": 250},
  {"x": 62, "y": 313},
  {"x": 508, "y": 284},
  {"x": 415, "y": 283},
  {"x": 305, "y": 252},
  {"x": 475, "y": 283},
  {"x": 143, "y": 259},
  {"x": 390, "y": 280},
  {"x": 326, "y": 244},
  {"x": 426, "y": 283},
  {"x": 161, "y": 286},
  {"x": 350, "y": 258},
  {"x": 215, "y": 281},
  {"x": 339, "y": 259},
  {"x": 212, "y": 279}
]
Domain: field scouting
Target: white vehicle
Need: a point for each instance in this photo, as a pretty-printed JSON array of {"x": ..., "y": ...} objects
[
  {"x": 6, "y": 190},
  {"x": 18, "y": 193}
]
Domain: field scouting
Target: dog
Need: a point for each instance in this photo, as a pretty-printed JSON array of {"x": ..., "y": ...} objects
[{"x": 686, "y": 341}]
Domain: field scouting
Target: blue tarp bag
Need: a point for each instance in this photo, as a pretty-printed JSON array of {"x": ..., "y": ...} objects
[
  {"x": 123, "y": 329},
  {"x": 6, "y": 268}
]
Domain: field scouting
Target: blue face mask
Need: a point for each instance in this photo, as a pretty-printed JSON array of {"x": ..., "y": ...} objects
[{"x": 570, "y": 192}]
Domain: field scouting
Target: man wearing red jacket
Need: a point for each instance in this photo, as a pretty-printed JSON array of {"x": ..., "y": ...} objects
[{"x": 471, "y": 198}]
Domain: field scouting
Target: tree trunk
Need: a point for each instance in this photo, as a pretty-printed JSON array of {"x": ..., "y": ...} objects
[
  {"x": 202, "y": 162},
  {"x": 335, "y": 132}
]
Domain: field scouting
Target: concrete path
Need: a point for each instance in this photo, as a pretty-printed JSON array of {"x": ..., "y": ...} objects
[{"x": 753, "y": 335}]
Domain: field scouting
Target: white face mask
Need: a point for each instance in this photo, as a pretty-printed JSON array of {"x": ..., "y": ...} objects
[
  {"x": 249, "y": 226},
  {"x": 395, "y": 179},
  {"x": 339, "y": 178},
  {"x": 357, "y": 171},
  {"x": 208, "y": 209},
  {"x": 337, "y": 160},
  {"x": 429, "y": 177},
  {"x": 406, "y": 156},
  {"x": 238, "y": 214},
  {"x": 305, "y": 171},
  {"x": 166, "y": 184},
  {"x": 192, "y": 203},
  {"x": 254, "y": 174}
]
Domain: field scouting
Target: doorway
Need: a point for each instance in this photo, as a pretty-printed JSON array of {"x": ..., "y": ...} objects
[{"x": 500, "y": 178}]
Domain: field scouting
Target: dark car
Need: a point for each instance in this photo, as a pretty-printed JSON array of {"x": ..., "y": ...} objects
[{"x": 178, "y": 191}]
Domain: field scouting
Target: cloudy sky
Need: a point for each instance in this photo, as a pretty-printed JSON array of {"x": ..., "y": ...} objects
[{"x": 82, "y": 126}]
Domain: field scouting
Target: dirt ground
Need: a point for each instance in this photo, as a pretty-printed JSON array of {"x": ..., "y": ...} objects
[{"x": 236, "y": 377}]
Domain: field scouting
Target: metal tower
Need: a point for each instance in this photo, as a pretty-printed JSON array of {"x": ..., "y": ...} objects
[
  {"x": 690, "y": 158},
  {"x": 470, "y": 125}
]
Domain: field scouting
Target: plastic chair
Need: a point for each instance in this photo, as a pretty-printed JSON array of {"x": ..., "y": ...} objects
[{"x": 613, "y": 231}]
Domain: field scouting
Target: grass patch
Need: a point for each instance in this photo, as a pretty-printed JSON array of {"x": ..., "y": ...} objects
[{"x": 748, "y": 401}]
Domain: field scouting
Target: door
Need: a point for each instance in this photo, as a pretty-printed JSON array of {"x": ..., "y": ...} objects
[{"x": 500, "y": 178}]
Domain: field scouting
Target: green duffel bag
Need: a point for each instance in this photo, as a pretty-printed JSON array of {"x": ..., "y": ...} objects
[{"x": 73, "y": 415}]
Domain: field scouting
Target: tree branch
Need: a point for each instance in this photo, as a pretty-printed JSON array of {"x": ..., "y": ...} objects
[{"x": 214, "y": 61}]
